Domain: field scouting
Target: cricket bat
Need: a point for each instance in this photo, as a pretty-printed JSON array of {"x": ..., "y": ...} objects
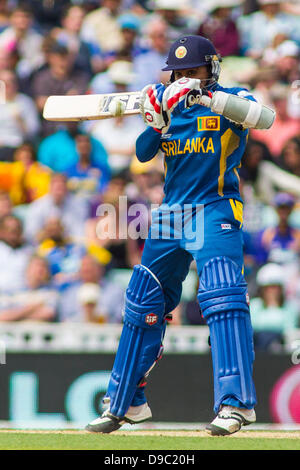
[{"x": 89, "y": 107}]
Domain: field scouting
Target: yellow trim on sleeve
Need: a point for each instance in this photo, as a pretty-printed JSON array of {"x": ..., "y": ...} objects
[
  {"x": 165, "y": 168},
  {"x": 237, "y": 209}
]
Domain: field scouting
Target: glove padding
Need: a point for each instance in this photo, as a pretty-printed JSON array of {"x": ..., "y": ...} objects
[
  {"x": 157, "y": 101},
  {"x": 151, "y": 107},
  {"x": 178, "y": 91}
]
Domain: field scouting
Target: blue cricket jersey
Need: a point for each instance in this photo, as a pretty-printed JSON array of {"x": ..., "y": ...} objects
[{"x": 202, "y": 153}]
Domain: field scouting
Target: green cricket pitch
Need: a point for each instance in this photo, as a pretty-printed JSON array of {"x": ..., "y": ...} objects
[{"x": 147, "y": 440}]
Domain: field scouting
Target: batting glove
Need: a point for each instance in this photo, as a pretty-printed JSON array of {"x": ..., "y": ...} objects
[
  {"x": 151, "y": 108},
  {"x": 187, "y": 90},
  {"x": 157, "y": 101}
]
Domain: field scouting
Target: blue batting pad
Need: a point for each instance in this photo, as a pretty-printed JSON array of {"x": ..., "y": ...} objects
[
  {"x": 223, "y": 300},
  {"x": 141, "y": 339}
]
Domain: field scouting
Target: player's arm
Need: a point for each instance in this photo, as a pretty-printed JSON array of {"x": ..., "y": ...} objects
[
  {"x": 242, "y": 111},
  {"x": 156, "y": 105},
  {"x": 147, "y": 144},
  {"x": 157, "y": 102}
]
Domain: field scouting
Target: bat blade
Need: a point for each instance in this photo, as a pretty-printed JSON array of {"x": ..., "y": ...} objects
[{"x": 88, "y": 107}]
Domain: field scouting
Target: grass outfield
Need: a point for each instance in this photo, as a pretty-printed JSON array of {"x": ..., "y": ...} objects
[{"x": 147, "y": 440}]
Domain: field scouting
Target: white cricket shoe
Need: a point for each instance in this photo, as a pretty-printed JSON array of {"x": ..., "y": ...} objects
[
  {"x": 229, "y": 420},
  {"x": 108, "y": 423}
]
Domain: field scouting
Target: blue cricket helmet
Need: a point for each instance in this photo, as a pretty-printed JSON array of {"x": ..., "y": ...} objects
[{"x": 194, "y": 51}]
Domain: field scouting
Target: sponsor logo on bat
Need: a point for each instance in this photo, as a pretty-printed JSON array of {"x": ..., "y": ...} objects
[{"x": 131, "y": 101}]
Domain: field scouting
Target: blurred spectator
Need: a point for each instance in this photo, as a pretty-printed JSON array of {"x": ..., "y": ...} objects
[
  {"x": 220, "y": 27},
  {"x": 146, "y": 185},
  {"x": 60, "y": 78},
  {"x": 88, "y": 55},
  {"x": 37, "y": 301},
  {"x": 249, "y": 6},
  {"x": 62, "y": 254},
  {"x": 284, "y": 54},
  {"x": 86, "y": 178},
  {"x": 287, "y": 63},
  {"x": 131, "y": 42},
  {"x": 6, "y": 206},
  {"x": 101, "y": 26},
  {"x": 250, "y": 265},
  {"x": 284, "y": 126},
  {"x": 250, "y": 173},
  {"x": 109, "y": 229},
  {"x": 14, "y": 254},
  {"x": 25, "y": 179},
  {"x": 191, "y": 309},
  {"x": 72, "y": 210},
  {"x": 117, "y": 79},
  {"x": 9, "y": 58},
  {"x": 147, "y": 67},
  {"x": 292, "y": 7},
  {"x": 19, "y": 119},
  {"x": 58, "y": 151},
  {"x": 47, "y": 13},
  {"x": 144, "y": 188},
  {"x": 255, "y": 153},
  {"x": 256, "y": 188},
  {"x": 272, "y": 316},
  {"x": 22, "y": 36},
  {"x": 280, "y": 244},
  {"x": 261, "y": 83},
  {"x": 271, "y": 179},
  {"x": 177, "y": 15},
  {"x": 118, "y": 137},
  {"x": 253, "y": 208},
  {"x": 290, "y": 156},
  {"x": 257, "y": 30},
  {"x": 4, "y": 14},
  {"x": 91, "y": 298}
]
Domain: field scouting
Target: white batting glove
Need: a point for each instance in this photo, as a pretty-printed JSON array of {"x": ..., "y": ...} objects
[
  {"x": 187, "y": 90},
  {"x": 157, "y": 101},
  {"x": 151, "y": 108}
]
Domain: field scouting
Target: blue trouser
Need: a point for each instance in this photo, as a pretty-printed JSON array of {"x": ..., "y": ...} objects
[
  {"x": 169, "y": 259},
  {"x": 208, "y": 233}
]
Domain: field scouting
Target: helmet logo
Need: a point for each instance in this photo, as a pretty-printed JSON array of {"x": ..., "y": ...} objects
[{"x": 181, "y": 52}]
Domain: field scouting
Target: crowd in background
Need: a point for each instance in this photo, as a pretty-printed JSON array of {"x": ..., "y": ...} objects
[{"x": 54, "y": 176}]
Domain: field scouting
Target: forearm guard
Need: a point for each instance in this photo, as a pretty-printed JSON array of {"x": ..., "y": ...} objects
[{"x": 247, "y": 113}]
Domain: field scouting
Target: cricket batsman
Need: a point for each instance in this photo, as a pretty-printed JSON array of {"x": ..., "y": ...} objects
[{"x": 202, "y": 130}]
